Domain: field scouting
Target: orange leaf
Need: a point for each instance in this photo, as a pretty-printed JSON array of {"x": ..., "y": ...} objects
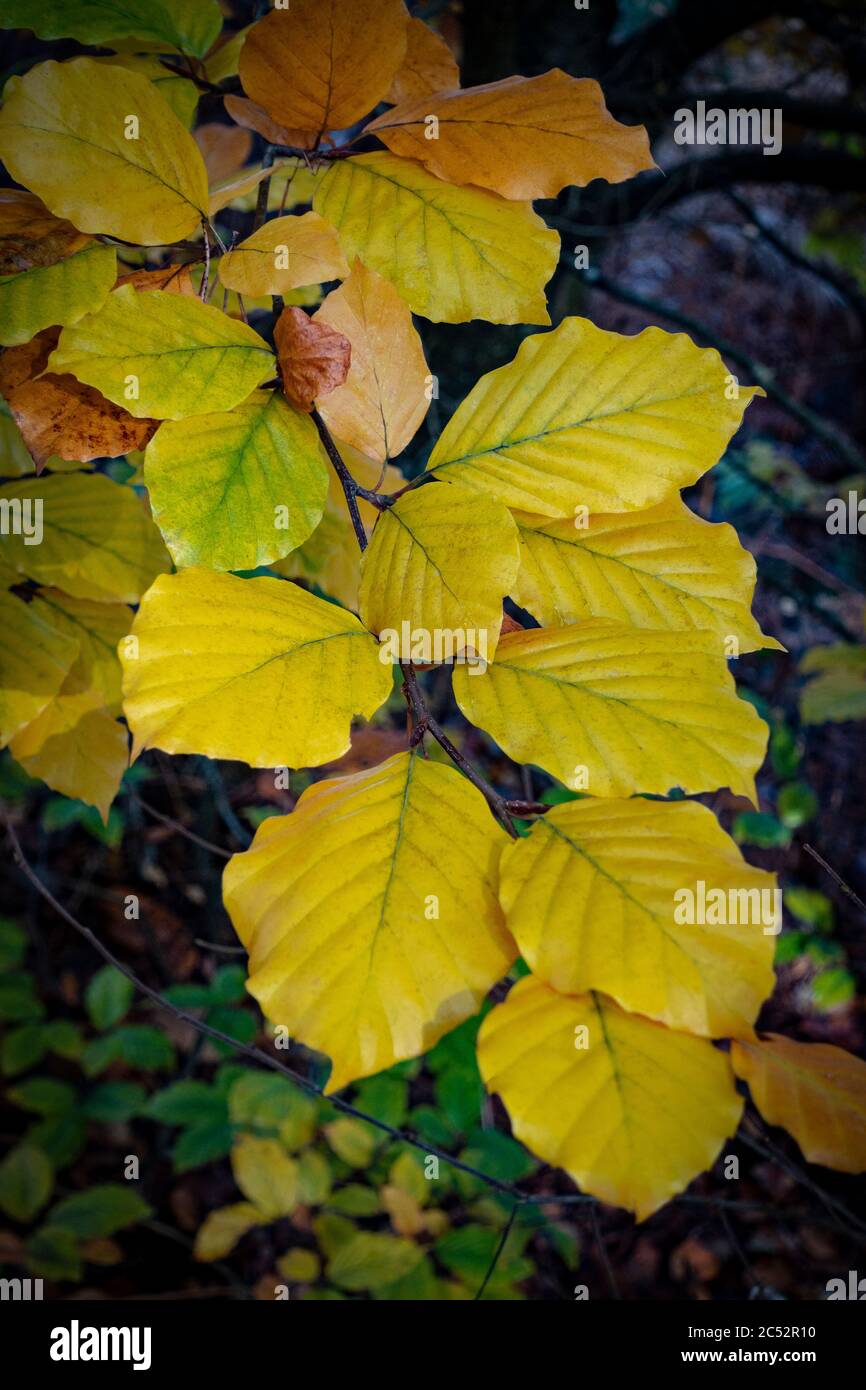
[
  {"x": 815, "y": 1091},
  {"x": 384, "y": 398},
  {"x": 429, "y": 65},
  {"x": 60, "y": 415},
  {"x": 171, "y": 279},
  {"x": 254, "y": 117},
  {"x": 322, "y": 64},
  {"x": 32, "y": 236},
  {"x": 225, "y": 149},
  {"x": 313, "y": 358},
  {"x": 524, "y": 137}
]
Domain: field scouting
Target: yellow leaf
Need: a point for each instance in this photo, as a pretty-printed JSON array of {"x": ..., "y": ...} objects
[
  {"x": 224, "y": 57},
  {"x": 372, "y": 928},
  {"x": 320, "y": 65},
  {"x": 253, "y": 669},
  {"x": 98, "y": 541},
  {"x": 407, "y": 1218},
  {"x": 93, "y": 680},
  {"x": 586, "y": 418},
  {"x": 181, "y": 94},
  {"x": 86, "y": 761},
  {"x": 429, "y": 65},
  {"x": 614, "y": 710},
  {"x": 164, "y": 356},
  {"x": 100, "y": 146},
  {"x": 611, "y": 895},
  {"x": 630, "y": 1110},
  {"x": 222, "y": 1229},
  {"x": 239, "y": 489},
  {"x": 815, "y": 1091},
  {"x": 331, "y": 558},
  {"x": 660, "y": 568},
  {"x": 265, "y": 1175},
  {"x": 441, "y": 560},
  {"x": 60, "y": 293},
  {"x": 523, "y": 137},
  {"x": 453, "y": 253},
  {"x": 284, "y": 254},
  {"x": 385, "y": 396},
  {"x": 299, "y": 1265},
  {"x": 34, "y": 660}
]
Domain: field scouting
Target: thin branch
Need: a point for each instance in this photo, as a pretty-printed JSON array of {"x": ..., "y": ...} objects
[
  {"x": 500, "y": 1246},
  {"x": 350, "y": 487},
  {"x": 263, "y": 189},
  {"x": 837, "y": 879},
  {"x": 182, "y": 830}
]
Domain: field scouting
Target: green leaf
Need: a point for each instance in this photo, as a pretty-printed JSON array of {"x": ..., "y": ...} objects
[
  {"x": 419, "y": 1285},
  {"x": 796, "y": 804},
  {"x": 114, "y": 1102},
  {"x": 13, "y": 944},
  {"x": 26, "y": 1180},
  {"x": 188, "y": 996},
  {"x": 143, "y": 1046},
  {"x": 499, "y": 1155},
  {"x": 108, "y": 997},
  {"x": 23, "y": 1048},
  {"x": 237, "y": 1023},
  {"x": 60, "y": 1137},
  {"x": 351, "y": 1140},
  {"x": 189, "y": 27},
  {"x": 43, "y": 1095},
  {"x": 459, "y": 1093},
  {"x": 810, "y": 906},
  {"x": 188, "y": 1103},
  {"x": 832, "y": 989},
  {"x": 370, "y": 1260},
  {"x": 64, "y": 1039},
  {"x": 314, "y": 1178},
  {"x": 761, "y": 829},
  {"x": 18, "y": 1002},
  {"x": 355, "y": 1200},
  {"x": 385, "y": 1097},
  {"x": 229, "y": 985},
  {"x": 53, "y": 1253},
  {"x": 100, "y": 1211},
  {"x": 201, "y": 1143}
]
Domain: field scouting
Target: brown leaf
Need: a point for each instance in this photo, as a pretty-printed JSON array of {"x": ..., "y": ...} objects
[
  {"x": 27, "y": 360},
  {"x": 225, "y": 149},
  {"x": 172, "y": 279},
  {"x": 30, "y": 235},
  {"x": 313, "y": 358},
  {"x": 60, "y": 415},
  {"x": 254, "y": 117}
]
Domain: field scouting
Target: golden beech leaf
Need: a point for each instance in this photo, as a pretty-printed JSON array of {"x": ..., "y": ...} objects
[
  {"x": 385, "y": 396},
  {"x": 100, "y": 146},
  {"x": 585, "y": 418},
  {"x": 98, "y": 542},
  {"x": 254, "y": 117},
  {"x": 240, "y": 489},
  {"x": 266, "y": 1175},
  {"x": 86, "y": 761},
  {"x": 78, "y": 284},
  {"x": 523, "y": 137},
  {"x": 650, "y": 902},
  {"x": 165, "y": 356},
  {"x": 176, "y": 89},
  {"x": 284, "y": 254},
  {"x": 93, "y": 680},
  {"x": 171, "y": 279},
  {"x": 222, "y": 1228},
  {"x": 663, "y": 567},
  {"x": 453, "y": 253},
  {"x": 225, "y": 149},
  {"x": 814, "y": 1090},
  {"x": 321, "y": 64},
  {"x": 441, "y": 560},
  {"x": 253, "y": 669},
  {"x": 35, "y": 657},
  {"x": 631, "y": 1110},
  {"x": 314, "y": 359},
  {"x": 429, "y": 65},
  {"x": 30, "y": 235},
  {"x": 58, "y": 415},
  {"x": 615, "y": 710},
  {"x": 333, "y": 903},
  {"x": 331, "y": 558}
]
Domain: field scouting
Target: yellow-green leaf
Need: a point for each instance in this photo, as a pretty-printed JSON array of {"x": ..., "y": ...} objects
[
  {"x": 98, "y": 541},
  {"x": 613, "y": 710},
  {"x": 254, "y": 669},
  {"x": 454, "y": 253},
  {"x": 221, "y": 1230},
  {"x": 371, "y": 1259},
  {"x": 180, "y": 93},
  {"x": 612, "y": 895},
  {"x": 164, "y": 356},
  {"x": 265, "y": 1175},
  {"x": 34, "y": 659},
  {"x": 660, "y": 568},
  {"x": 441, "y": 559},
  {"x": 582, "y": 417},
  {"x": 814, "y": 1090},
  {"x": 372, "y": 927},
  {"x": 631, "y": 1110},
  {"x": 86, "y": 761},
  {"x": 838, "y": 692},
  {"x": 284, "y": 254},
  {"x": 189, "y": 26},
  {"x": 60, "y": 293},
  {"x": 239, "y": 489},
  {"x": 100, "y": 146}
]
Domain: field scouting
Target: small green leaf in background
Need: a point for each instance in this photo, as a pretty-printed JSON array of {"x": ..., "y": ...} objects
[
  {"x": 228, "y": 985},
  {"x": 114, "y": 1102},
  {"x": 53, "y": 1253},
  {"x": 265, "y": 1175},
  {"x": 188, "y": 1103},
  {"x": 785, "y": 751},
  {"x": 796, "y": 804},
  {"x": 370, "y": 1260},
  {"x": 314, "y": 1178},
  {"x": 761, "y": 829},
  {"x": 60, "y": 1137},
  {"x": 810, "y": 906},
  {"x": 22, "y": 1048},
  {"x": 26, "y": 1182},
  {"x": 100, "y": 1211},
  {"x": 13, "y": 944},
  {"x": 299, "y": 1266},
  {"x": 386, "y": 1097},
  {"x": 355, "y": 1200},
  {"x": 833, "y": 989},
  {"x": 351, "y": 1140},
  {"x": 108, "y": 997},
  {"x": 43, "y": 1096},
  {"x": 201, "y": 1143},
  {"x": 18, "y": 1001}
]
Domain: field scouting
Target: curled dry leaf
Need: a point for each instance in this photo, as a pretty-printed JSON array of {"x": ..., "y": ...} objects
[
  {"x": 314, "y": 359},
  {"x": 30, "y": 235}
]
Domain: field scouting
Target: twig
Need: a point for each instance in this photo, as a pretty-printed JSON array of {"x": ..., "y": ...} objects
[
  {"x": 263, "y": 189},
  {"x": 182, "y": 830},
  {"x": 500, "y": 1246},
  {"x": 837, "y": 879},
  {"x": 205, "y": 279}
]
